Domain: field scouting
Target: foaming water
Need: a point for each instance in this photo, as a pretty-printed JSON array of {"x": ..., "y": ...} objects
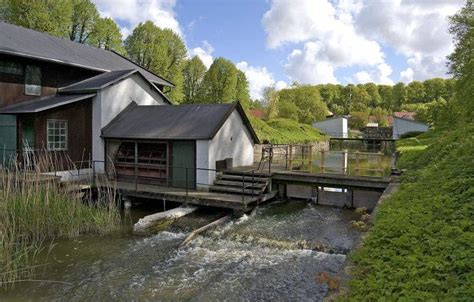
[{"x": 267, "y": 256}]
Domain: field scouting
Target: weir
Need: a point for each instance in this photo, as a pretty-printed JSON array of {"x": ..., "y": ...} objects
[{"x": 338, "y": 178}]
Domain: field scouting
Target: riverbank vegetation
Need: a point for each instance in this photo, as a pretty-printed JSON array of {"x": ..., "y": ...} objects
[
  {"x": 421, "y": 246},
  {"x": 422, "y": 243},
  {"x": 34, "y": 210}
]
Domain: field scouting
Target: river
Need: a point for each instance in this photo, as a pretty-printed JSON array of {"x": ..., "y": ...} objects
[{"x": 273, "y": 255}]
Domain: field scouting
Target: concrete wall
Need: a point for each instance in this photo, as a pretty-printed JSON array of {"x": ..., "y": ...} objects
[
  {"x": 111, "y": 100},
  {"x": 233, "y": 140},
  {"x": 402, "y": 126},
  {"x": 203, "y": 177},
  {"x": 335, "y": 127}
]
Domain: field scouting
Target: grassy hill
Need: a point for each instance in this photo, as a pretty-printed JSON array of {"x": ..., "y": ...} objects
[
  {"x": 421, "y": 246},
  {"x": 285, "y": 131}
]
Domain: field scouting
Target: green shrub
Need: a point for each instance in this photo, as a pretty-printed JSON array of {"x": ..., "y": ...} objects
[{"x": 422, "y": 244}]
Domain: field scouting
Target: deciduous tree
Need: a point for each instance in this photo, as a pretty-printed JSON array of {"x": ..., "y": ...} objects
[{"x": 193, "y": 74}]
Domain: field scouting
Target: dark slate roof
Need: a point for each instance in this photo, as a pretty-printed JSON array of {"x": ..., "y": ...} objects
[
  {"x": 105, "y": 79},
  {"x": 186, "y": 122},
  {"x": 20, "y": 41},
  {"x": 98, "y": 82},
  {"x": 44, "y": 103}
]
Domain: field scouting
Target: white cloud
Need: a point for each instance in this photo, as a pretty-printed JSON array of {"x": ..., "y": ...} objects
[
  {"x": 416, "y": 29},
  {"x": 305, "y": 66},
  {"x": 331, "y": 41},
  {"x": 379, "y": 75},
  {"x": 259, "y": 78},
  {"x": 347, "y": 33},
  {"x": 406, "y": 75},
  {"x": 131, "y": 12},
  {"x": 204, "y": 53}
]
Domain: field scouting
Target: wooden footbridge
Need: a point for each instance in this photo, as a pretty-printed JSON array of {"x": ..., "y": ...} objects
[{"x": 243, "y": 188}]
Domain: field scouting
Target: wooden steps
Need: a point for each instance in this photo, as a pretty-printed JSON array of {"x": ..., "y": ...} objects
[{"x": 241, "y": 183}]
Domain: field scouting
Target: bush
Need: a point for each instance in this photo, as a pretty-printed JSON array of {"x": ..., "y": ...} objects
[{"x": 422, "y": 244}]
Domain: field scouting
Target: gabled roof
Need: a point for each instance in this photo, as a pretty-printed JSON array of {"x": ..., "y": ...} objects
[
  {"x": 103, "y": 80},
  {"x": 19, "y": 41},
  {"x": 98, "y": 82},
  {"x": 185, "y": 122},
  {"x": 44, "y": 103}
]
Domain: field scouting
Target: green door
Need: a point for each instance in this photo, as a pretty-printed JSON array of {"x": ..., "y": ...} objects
[
  {"x": 28, "y": 126},
  {"x": 184, "y": 159},
  {"x": 7, "y": 139}
]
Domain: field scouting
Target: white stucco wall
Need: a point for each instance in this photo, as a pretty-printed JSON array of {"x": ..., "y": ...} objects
[
  {"x": 111, "y": 100},
  {"x": 233, "y": 140},
  {"x": 402, "y": 126},
  {"x": 335, "y": 127}
]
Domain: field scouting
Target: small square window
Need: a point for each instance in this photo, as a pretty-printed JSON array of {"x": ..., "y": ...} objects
[{"x": 57, "y": 135}]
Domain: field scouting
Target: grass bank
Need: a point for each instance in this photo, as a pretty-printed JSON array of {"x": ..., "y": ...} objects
[
  {"x": 285, "y": 131},
  {"x": 421, "y": 246},
  {"x": 33, "y": 213}
]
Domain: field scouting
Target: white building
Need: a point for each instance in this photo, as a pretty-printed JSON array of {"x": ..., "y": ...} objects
[
  {"x": 335, "y": 126},
  {"x": 402, "y": 126},
  {"x": 173, "y": 144}
]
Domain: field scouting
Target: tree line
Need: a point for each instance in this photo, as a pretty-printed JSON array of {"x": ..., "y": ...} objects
[
  {"x": 309, "y": 103},
  {"x": 162, "y": 51}
]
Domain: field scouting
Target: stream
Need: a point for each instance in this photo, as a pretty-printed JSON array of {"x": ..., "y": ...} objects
[{"x": 272, "y": 255}]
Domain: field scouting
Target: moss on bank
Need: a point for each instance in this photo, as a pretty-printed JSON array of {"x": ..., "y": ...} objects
[
  {"x": 422, "y": 243},
  {"x": 285, "y": 131}
]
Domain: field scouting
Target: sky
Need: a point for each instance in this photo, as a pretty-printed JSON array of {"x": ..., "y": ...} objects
[{"x": 278, "y": 42}]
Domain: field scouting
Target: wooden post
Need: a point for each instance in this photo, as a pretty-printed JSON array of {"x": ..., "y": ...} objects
[
  {"x": 322, "y": 161},
  {"x": 357, "y": 162},
  {"x": 310, "y": 160},
  {"x": 291, "y": 159},
  {"x": 136, "y": 166},
  {"x": 344, "y": 162}
]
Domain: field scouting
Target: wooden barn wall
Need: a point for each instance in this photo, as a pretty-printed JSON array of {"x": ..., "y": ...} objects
[
  {"x": 79, "y": 117},
  {"x": 53, "y": 76}
]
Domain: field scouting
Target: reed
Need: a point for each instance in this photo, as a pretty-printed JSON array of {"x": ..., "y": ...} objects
[{"x": 36, "y": 208}]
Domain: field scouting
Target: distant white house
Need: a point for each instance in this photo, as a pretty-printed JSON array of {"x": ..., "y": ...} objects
[
  {"x": 403, "y": 125},
  {"x": 335, "y": 126}
]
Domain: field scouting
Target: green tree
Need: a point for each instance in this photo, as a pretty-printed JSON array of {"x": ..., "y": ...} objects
[
  {"x": 271, "y": 99},
  {"x": 219, "y": 84},
  {"x": 193, "y": 74},
  {"x": 461, "y": 61},
  {"x": 50, "y": 16},
  {"x": 373, "y": 91},
  {"x": 307, "y": 100},
  {"x": 416, "y": 92},
  {"x": 160, "y": 50},
  {"x": 358, "y": 119},
  {"x": 399, "y": 95},
  {"x": 242, "y": 89},
  {"x": 360, "y": 99},
  {"x": 288, "y": 109},
  {"x": 84, "y": 17},
  {"x": 434, "y": 89},
  {"x": 106, "y": 34},
  {"x": 386, "y": 95}
]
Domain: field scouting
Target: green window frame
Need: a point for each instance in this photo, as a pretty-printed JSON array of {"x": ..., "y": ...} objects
[{"x": 57, "y": 135}]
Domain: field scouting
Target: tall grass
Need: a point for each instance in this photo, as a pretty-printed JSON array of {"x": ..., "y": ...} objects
[{"x": 35, "y": 209}]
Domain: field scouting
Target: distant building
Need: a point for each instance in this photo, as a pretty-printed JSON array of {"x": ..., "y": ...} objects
[
  {"x": 335, "y": 126},
  {"x": 404, "y": 125}
]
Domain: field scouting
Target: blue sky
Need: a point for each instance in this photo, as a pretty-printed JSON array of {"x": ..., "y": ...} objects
[{"x": 276, "y": 42}]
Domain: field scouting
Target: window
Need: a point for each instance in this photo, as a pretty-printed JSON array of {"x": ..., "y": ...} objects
[
  {"x": 57, "y": 135},
  {"x": 32, "y": 80},
  {"x": 11, "y": 68}
]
